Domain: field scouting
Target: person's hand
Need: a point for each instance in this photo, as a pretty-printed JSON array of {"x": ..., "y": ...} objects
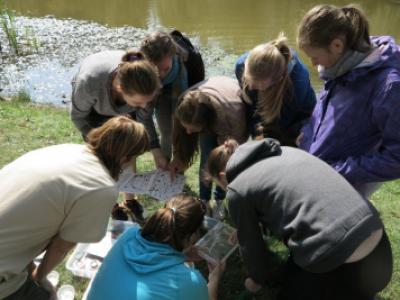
[
  {"x": 251, "y": 285},
  {"x": 233, "y": 239},
  {"x": 159, "y": 158},
  {"x": 192, "y": 255},
  {"x": 299, "y": 139},
  {"x": 175, "y": 167},
  {"x": 259, "y": 132},
  {"x": 45, "y": 284}
]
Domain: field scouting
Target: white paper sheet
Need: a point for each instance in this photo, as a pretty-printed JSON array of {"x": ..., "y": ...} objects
[{"x": 156, "y": 183}]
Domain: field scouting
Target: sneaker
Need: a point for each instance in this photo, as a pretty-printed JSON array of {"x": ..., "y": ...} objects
[{"x": 136, "y": 209}]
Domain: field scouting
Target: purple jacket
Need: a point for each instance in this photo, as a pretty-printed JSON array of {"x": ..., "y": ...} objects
[{"x": 355, "y": 126}]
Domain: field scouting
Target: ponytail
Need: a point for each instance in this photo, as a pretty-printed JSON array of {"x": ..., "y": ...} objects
[
  {"x": 358, "y": 37},
  {"x": 176, "y": 222},
  {"x": 281, "y": 44}
]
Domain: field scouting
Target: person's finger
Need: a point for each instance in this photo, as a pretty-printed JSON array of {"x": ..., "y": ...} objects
[
  {"x": 172, "y": 171},
  {"x": 233, "y": 238}
]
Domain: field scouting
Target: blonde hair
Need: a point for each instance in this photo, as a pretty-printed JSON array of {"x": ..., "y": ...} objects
[
  {"x": 137, "y": 75},
  {"x": 323, "y": 23},
  {"x": 117, "y": 141},
  {"x": 195, "y": 108},
  {"x": 176, "y": 222},
  {"x": 269, "y": 61}
]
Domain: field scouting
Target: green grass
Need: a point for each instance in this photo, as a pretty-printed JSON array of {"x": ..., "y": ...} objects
[{"x": 25, "y": 126}]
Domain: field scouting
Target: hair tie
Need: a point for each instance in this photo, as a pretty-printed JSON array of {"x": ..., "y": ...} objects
[
  {"x": 135, "y": 57},
  {"x": 173, "y": 209}
]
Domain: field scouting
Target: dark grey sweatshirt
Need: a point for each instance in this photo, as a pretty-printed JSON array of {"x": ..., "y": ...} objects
[{"x": 301, "y": 200}]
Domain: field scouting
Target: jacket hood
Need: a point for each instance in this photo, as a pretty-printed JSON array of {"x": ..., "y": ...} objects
[
  {"x": 145, "y": 257},
  {"x": 385, "y": 55},
  {"x": 248, "y": 154}
]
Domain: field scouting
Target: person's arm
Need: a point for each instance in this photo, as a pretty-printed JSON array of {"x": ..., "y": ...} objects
[
  {"x": 81, "y": 105},
  {"x": 159, "y": 158},
  {"x": 176, "y": 166},
  {"x": 253, "y": 247},
  {"x": 381, "y": 164},
  {"x": 145, "y": 116},
  {"x": 213, "y": 279},
  {"x": 55, "y": 253}
]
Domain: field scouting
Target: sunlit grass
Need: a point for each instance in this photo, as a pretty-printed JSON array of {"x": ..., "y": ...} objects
[{"x": 25, "y": 126}]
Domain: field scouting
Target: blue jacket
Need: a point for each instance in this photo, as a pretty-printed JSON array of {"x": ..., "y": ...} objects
[
  {"x": 297, "y": 106},
  {"x": 355, "y": 126},
  {"x": 136, "y": 268}
]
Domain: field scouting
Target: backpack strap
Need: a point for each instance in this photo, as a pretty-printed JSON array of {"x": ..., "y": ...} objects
[{"x": 194, "y": 63}]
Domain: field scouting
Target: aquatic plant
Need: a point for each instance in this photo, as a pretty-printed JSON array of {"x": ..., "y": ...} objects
[
  {"x": 7, "y": 19},
  {"x": 31, "y": 40}
]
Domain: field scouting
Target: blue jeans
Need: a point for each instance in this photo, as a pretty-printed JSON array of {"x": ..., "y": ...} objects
[{"x": 208, "y": 142}]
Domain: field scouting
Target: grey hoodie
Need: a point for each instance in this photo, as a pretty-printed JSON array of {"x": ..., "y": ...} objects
[
  {"x": 301, "y": 200},
  {"x": 91, "y": 90}
]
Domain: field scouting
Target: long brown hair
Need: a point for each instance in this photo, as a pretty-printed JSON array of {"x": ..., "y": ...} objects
[
  {"x": 195, "y": 108},
  {"x": 118, "y": 141},
  {"x": 137, "y": 75},
  {"x": 269, "y": 61},
  {"x": 176, "y": 222},
  {"x": 323, "y": 23}
]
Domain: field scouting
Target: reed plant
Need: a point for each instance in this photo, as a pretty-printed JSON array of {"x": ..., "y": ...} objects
[
  {"x": 15, "y": 39},
  {"x": 7, "y": 19}
]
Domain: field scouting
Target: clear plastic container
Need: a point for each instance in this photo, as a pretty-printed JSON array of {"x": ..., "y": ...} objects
[
  {"x": 217, "y": 244},
  {"x": 53, "y": 277},
  {"x": 86, "y": 259},
  {"x": 66, "y": 292}
]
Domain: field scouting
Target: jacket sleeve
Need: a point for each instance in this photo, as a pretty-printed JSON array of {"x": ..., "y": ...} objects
[
  {"x": 383, "y": 163},
  {"x": 82, "y": 105},
  {"x": 252, "y": 245},
  {"x": 145, "y": 116},
  {"x": 304, "y": 94}
]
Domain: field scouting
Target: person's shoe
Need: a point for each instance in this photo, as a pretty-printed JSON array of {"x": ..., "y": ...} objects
[{"x": 136, "y": 209}]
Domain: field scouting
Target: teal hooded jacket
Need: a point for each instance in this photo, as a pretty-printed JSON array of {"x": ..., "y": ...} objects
[{"x": 136, "y": 268}]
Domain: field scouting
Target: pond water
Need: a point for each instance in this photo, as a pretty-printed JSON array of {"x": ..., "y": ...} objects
[{"x": 222, "y": 28}]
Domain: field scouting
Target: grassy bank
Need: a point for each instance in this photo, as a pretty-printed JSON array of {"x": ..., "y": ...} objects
[{"x": 25, "y": 126}]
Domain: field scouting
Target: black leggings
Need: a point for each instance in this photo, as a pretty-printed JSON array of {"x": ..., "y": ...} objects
[
  {"x": 360, "y": 280},
  {"x": 29, "y": 291}
]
